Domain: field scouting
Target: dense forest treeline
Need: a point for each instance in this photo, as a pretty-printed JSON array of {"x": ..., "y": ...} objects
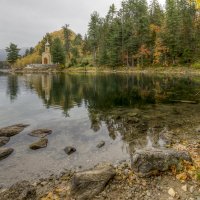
[{"x": 137, "y": 34}]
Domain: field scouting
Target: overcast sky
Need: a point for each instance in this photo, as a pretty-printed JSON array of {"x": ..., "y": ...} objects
[{"x": 25, "y": 22}]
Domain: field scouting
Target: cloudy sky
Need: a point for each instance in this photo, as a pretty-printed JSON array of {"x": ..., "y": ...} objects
[{"x": 25, "y": 22}]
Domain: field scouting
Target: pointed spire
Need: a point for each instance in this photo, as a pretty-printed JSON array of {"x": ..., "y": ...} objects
[{"x": 47, "y": 43}]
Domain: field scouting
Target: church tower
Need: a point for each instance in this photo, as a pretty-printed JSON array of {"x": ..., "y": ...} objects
[{"x": 46, "y": 56}]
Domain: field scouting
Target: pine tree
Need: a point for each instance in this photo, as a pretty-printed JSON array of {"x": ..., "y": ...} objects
[
  {"x": 172, "y": 30},
  {"x": 27, "y": 52},
  {"x": 93, "y": 34},
  {"x": 12, "y": 53},
  {"x": 58, "y": 52},
  {"x": 67, "y": 38},
  {"x": 46, "y": 38}
]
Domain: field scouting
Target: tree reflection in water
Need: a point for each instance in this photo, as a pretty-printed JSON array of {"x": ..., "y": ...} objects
[{"x": 135, "y": 107}]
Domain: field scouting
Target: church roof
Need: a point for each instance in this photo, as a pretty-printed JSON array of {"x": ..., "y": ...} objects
[{"x": 47, "y": 44}]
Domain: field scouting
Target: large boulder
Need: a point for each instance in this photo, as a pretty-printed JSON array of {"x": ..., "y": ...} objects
[
  {"x": 12, "y": 130},
  {"x": 147, "y": 162},
  {"x": 19, "y": 191},
  {"x": 40, "y": 132},
  {"x": 87, "y": 184},
  {"x": 5, "y": 152},
  {"x": 42, "y": 143},
  {"x": 4, "y": 140}
]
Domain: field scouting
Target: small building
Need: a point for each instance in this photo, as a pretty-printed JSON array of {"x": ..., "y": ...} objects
[{"x": 46, "y": 56}]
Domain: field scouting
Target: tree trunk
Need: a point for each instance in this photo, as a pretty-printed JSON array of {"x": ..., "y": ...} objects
[{"x": 127, "y": 64}]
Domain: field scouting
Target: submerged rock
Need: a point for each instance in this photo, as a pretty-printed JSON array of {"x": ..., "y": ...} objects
[
  {"x": 69, "y": 150},
  {"x": 198, "y": 129},
  {"x": 166, "y": 136},
  {"x": 40, "y": 132},
  {"x": 4, "y": 140},
  {"x": 12, "y": 130},
  {"x": 5, "y": 152},
  {"x": 87, "y": 184},
  {"x": 42, "y": 143},
  {"x": 149, "y": 162},
  {"x": 20, "y": 191},
  {"x": 101, "y": 144}
]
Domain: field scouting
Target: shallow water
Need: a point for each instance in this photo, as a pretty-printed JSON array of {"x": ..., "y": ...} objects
[{"x": 84, "y": 109}]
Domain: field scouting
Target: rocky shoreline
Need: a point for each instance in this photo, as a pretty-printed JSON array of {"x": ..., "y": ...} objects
[
  {"x": 168, "y": 172},
  {"x": 148, "y": 70},
  {"x": 172, "y": 174}
]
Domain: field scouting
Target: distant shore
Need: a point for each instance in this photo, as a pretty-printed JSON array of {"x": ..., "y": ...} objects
[{"x": 154, "y": 70}]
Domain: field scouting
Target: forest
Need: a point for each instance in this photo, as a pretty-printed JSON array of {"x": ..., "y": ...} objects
[
  {"x": 142, "y": 34},
  {"x": 136, "y": 35}
]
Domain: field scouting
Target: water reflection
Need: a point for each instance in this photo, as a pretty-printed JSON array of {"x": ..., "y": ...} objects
[
  {"x": 119, "y": 101},
  {"x": 108, "y": 91},
  {"x": 126, "y": 111},
  {"x": 12, "y": 86}
]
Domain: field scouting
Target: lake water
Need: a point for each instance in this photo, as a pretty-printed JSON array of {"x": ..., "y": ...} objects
[{"x": 125, "y": 111}]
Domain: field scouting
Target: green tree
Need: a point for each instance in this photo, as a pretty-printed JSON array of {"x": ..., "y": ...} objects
[
  {"x": 78, "y": 40},
  {"x": 27, "y": 52},
  {"x": 46, "y": 38},
  {"x": 58, "y": 52},
  {"x": 12, "y": 53},
  {"x": 67, "y": 39},
  {"x": 93, "y": 34},
  {"x": 31, "y": 50}
]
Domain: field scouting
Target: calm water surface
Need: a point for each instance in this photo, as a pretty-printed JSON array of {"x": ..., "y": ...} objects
[{"x": 82, "y": 110}]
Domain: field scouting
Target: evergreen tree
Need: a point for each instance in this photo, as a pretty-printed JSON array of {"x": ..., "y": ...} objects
[
  {"x": 142, "y": 35},
  {"x": 12, "y": 53},
  {"x": 27, "y": 52},
  {"x": 78, "y": 40},
  {"x": 58, "y": 52},
  {"x": 172, "y": 29},
  {"x": 46, "y": 38},
  {"x": 86, "y": 46},
  {"x": 93, "y": 34},
  {"x": 67, "y": 39},
  {"x": 31, "y": 50}
]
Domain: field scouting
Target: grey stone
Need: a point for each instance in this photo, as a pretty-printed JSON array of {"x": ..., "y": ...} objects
[
  {"x": 4, "y": 140},
  {"x": 101, "y": 144},
  {"x": 40, "y": 132},
  {"x": 166, "y": 136},
  {"x": 87, "y": 184},
  {"x": 198, "y": 129},
  {"x": 69, "y": 150},
  {"x": 147, "y": 162},
  {"x": 20, "y": 191},
  {"x": 12, "y": 130},
  {"x": 42, "y": 143},
  {"x": 5, "y": 152}
]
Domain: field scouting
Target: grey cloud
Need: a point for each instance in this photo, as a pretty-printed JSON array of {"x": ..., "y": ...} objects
[{"x": 25, "y": 22}]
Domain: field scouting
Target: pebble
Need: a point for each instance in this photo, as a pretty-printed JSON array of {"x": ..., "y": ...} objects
[
  {"x": 171, "y": 192},
  {"x": 184, "y": 188},
  {"x": 126, "y": 171},
  {"x": 43, "y": 183},
  {"x": 34, "y": 184},
  {"x": 192, "y": 189},
  {"x": 2, "y": 190},
  {"x": 144, "y": 183},
  {"x": 148, "y": 193},
  {"x": 198, "y": 129}
]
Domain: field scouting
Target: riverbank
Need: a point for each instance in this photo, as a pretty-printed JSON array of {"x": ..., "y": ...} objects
[
  {"x": 151, "y": 70},
  {"x": 121, "y": 182},
  {"x": 172, "y": 126}
]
